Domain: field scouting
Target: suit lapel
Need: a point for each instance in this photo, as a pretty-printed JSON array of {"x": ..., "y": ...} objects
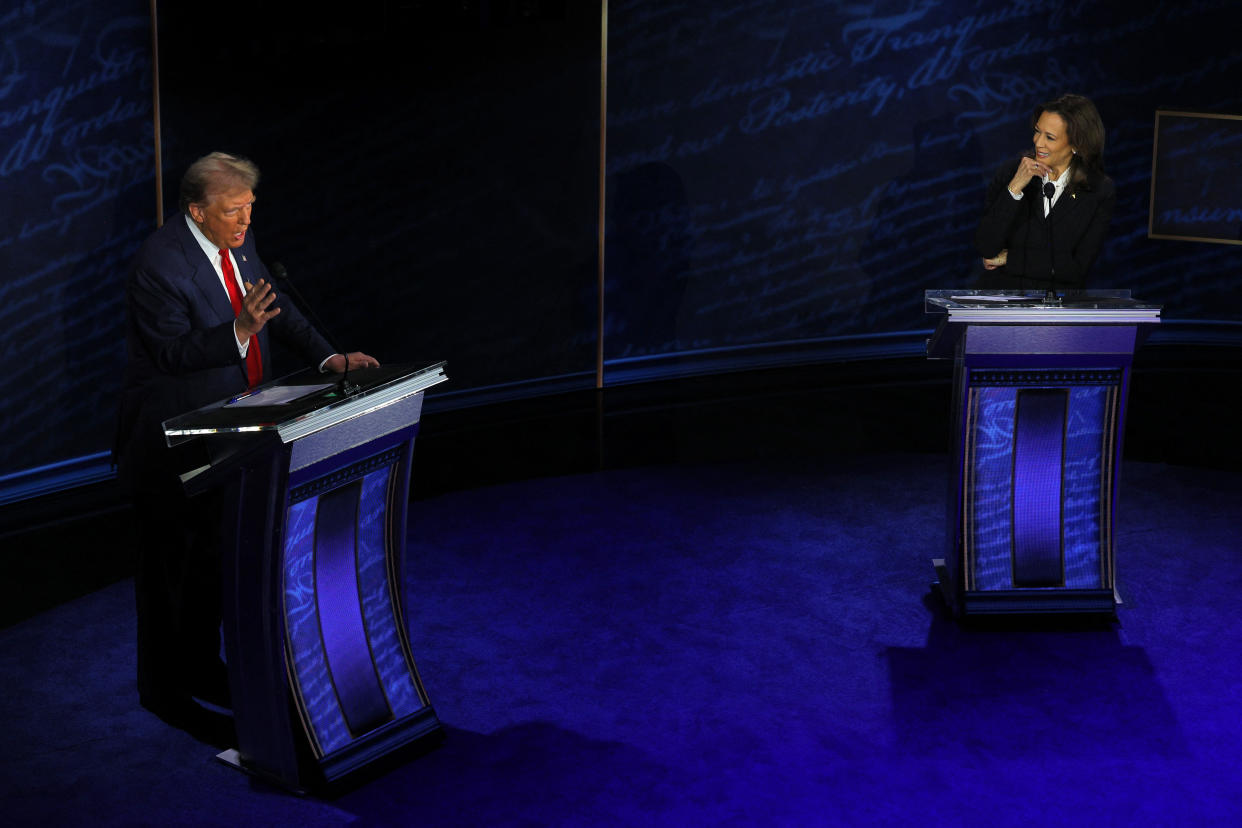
[
  {"x": 206, "y": 281},
  {"x": 203, "y": 275},
  {"x": 245, "y": 267},
  {"x": 1070, "y": 202},
  {"x": 1067, "y": 205}
]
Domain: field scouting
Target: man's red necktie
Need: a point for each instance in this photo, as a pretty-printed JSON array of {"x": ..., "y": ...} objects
[{"x": 254, "y": 361}]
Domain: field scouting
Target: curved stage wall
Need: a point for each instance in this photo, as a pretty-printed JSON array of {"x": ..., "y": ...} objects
[{"x": 781, "y": 180}]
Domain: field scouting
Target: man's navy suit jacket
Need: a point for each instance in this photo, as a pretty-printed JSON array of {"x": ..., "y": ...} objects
[{"x": 182, "y": 353}]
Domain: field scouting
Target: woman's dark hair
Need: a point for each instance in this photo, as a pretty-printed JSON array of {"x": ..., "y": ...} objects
[{"x": 1083, "y": 129}]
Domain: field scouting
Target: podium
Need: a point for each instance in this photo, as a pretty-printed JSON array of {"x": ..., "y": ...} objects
[
  {"x": 1039, "y": 400},
  {"x": 316, "y": 484}
]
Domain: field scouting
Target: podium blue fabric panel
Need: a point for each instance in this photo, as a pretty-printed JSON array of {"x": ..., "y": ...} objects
[
  {"x": 351, "y": 669},
  {"x": 990, "y": 466},
  {"x": 358, "y": 692},
  {"x": 313, "y": 684},
  {"x": 378, "y": 589},
  {"x": 1087, "y": 486},
  {"x": 1038, "y": 459},
  {"x": 1085, "y": 491}
]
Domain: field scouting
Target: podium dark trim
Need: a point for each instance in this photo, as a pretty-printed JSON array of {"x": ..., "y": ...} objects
[
  {"x": 321, "y": 669},
  {"x": 1040, "y": 389}
]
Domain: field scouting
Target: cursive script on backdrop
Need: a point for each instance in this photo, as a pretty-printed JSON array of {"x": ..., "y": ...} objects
[
  {"x": 811, "y": 168},
  {"x": 77, "y": 171}
]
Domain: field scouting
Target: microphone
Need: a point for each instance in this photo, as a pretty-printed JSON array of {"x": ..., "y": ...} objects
[
  {"x": 346, "y": 387},
  {"x": 1050, "y": 295}
]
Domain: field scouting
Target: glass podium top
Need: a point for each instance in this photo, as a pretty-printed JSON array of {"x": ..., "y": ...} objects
[
  {"x": 304, "y": 402},
  {"x": 1033, "y": 306}
]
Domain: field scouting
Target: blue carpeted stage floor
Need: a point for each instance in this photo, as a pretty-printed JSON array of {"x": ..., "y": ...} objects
[{"x": 713, "y": 644}]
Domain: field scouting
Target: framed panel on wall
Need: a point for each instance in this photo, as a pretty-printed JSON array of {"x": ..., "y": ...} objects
[{"x": 1196, "y": 180}]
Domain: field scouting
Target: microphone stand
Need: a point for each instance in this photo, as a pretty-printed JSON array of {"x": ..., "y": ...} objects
[
  {"x": 344, "y": 386},
  {"x": 1050, "y": 295}
]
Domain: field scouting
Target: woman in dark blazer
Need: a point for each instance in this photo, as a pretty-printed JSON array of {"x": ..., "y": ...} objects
[{"x": 1021, "y": 231}]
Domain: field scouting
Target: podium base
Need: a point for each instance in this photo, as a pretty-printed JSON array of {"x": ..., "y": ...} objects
[{"x": 1044, "y": 601}]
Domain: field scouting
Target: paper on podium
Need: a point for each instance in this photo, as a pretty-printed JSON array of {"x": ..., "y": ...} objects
[{"x": 276, "y": 395}]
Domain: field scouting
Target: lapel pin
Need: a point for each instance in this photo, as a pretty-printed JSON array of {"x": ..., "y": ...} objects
[{"x": 243, "y": 258}]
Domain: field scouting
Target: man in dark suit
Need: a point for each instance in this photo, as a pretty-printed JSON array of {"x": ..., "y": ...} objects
[{"x": 201, "y": 315}]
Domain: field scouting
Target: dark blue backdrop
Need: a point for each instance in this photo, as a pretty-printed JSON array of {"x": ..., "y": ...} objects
[
  {"x": 76, "y": 177},
  {"x": 787, "y": 171},
  {"x": 777, "y": 173}
]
